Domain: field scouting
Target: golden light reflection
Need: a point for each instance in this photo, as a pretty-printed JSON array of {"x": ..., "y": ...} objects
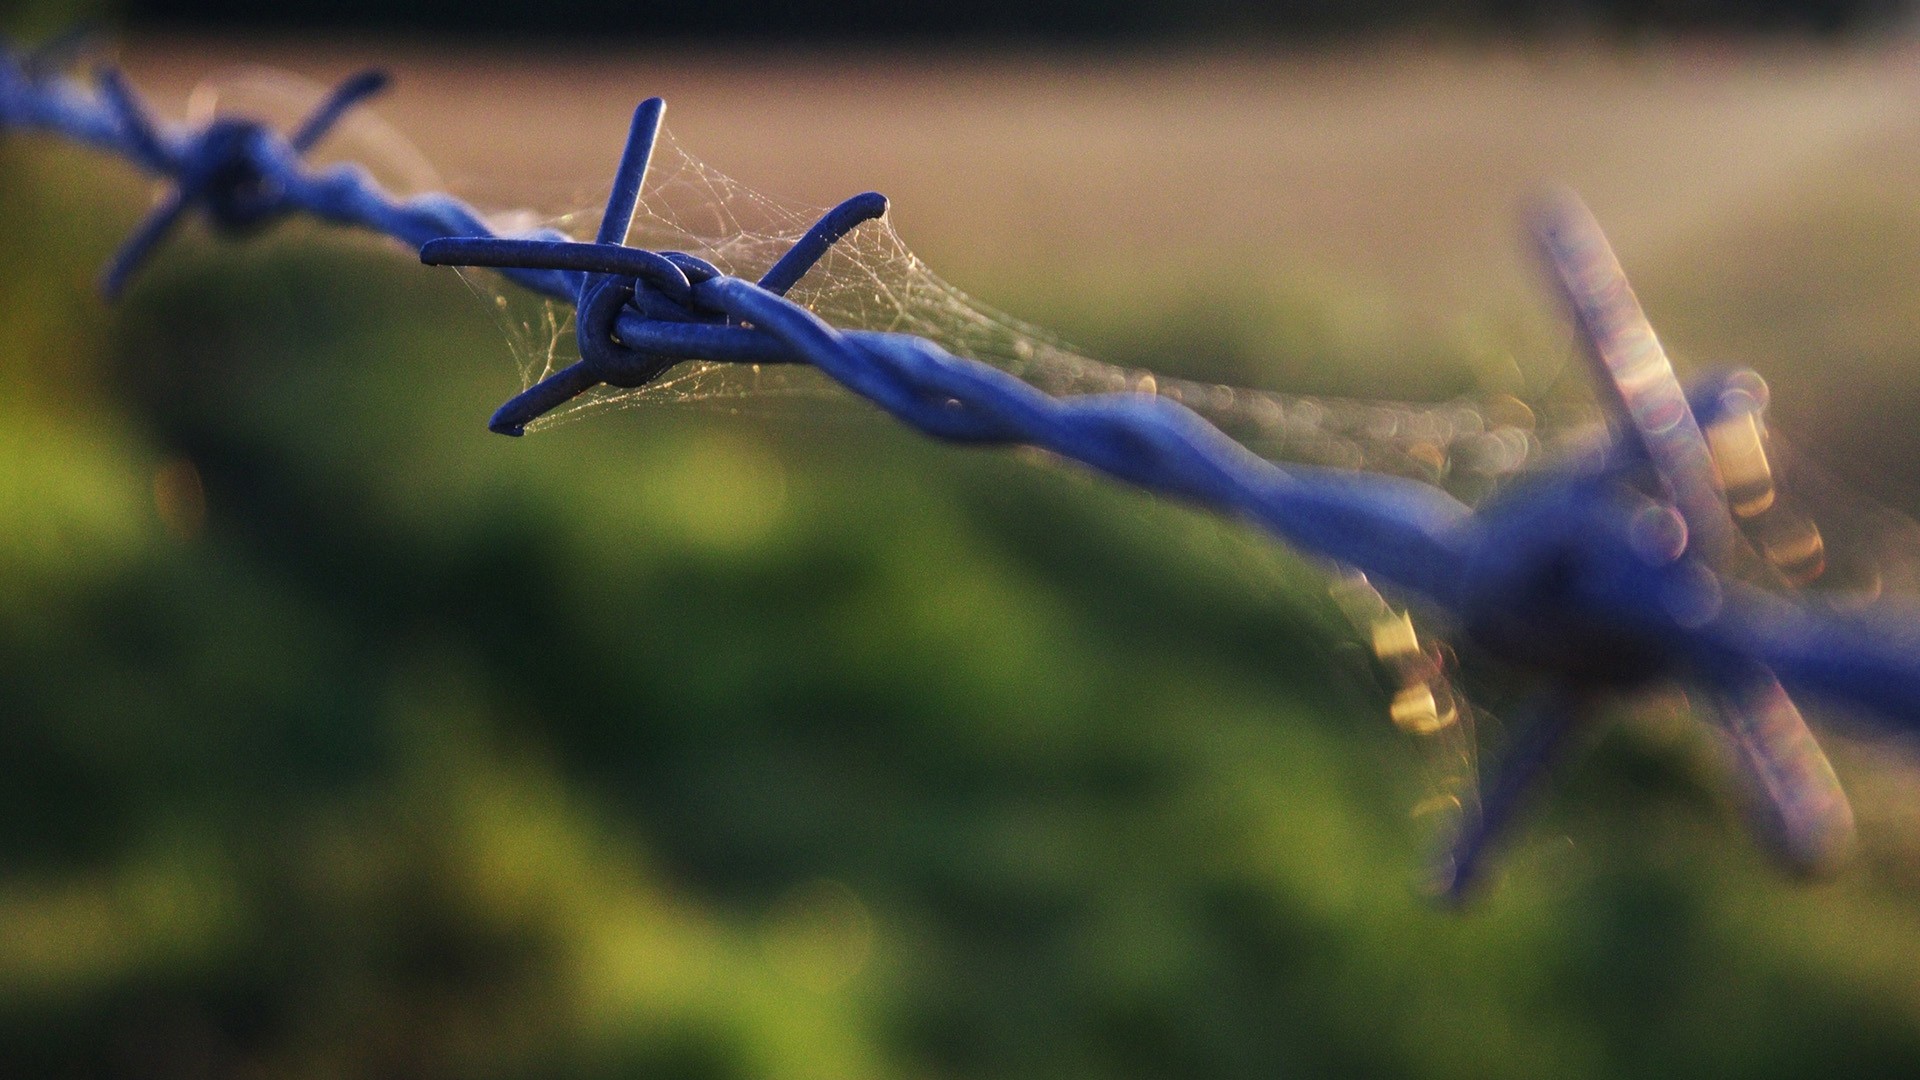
[
  {"x": 1417, "y": 709},
  {"x": 1394, "y": 640},
  {"x": 1790, "y": 542},
  {"x": 1442, "y": 803},
  {"x": 1741, "y": 456},
  {"x": 1432, "y": 455},
  {"x": 1507, "y": 411},
  {"x": 1794, "y": 546},
  {"x": 1424, "y": 703}
]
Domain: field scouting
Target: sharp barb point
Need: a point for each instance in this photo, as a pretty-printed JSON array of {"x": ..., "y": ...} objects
[
  {"x": 832, "y": 226},
  {"x": 140, "y": 246},
  {"x": 143, "y": 137},
  {"x": 631, "y": 174},
  {"x": 328, "y": 113}
]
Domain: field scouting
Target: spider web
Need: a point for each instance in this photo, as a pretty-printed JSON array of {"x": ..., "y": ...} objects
[{"x": 871, "y": 280}]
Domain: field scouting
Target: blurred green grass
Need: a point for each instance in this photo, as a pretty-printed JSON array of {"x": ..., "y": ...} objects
[{"x": 344, "y": 739}]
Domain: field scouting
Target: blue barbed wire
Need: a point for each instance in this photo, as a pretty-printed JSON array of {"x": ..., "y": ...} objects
[
  {"x": 1584, "y": 573},
  {"x": 243, "y": 174}
]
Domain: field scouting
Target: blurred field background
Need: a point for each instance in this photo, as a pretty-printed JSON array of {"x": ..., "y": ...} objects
[{"x": 342, "y": 738}]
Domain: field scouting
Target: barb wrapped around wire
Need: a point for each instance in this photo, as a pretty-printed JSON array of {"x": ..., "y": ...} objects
[
  {"x": 1600, "y": 576},
  {"x": 640, "y": 312},
  {"x": 241, "y": 173}
]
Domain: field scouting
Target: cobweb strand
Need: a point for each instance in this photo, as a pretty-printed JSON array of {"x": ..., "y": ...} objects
[{"x": 871, "y": 280}]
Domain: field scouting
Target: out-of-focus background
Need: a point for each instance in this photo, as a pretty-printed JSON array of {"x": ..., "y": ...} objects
[{"x": 340, "y": 738}]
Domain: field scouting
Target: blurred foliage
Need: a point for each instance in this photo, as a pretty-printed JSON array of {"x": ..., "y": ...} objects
[
  {"x": 37, "y": 20},
  {"x": 1029, "y": 20},
  {"x": 345, "y": 739}
]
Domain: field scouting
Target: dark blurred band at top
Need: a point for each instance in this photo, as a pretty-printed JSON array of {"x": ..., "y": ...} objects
[{"x": 1045, "y": 21}]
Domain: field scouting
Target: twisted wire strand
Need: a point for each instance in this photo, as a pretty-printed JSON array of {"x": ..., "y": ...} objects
[{"x": 1561, "y": 575}]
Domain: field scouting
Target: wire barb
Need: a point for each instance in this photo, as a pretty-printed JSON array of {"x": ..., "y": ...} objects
[
  {"x": 637, "y": 306},
  {"x": 230, "y": 167},
  {"x": 240, "y": 172}
]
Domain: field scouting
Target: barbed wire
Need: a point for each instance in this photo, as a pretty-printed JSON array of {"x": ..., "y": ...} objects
[
  {"x": 639, "y": 312},
  {"x": 240, "y": 173},
  {"x": 1599, "y": 575}
]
